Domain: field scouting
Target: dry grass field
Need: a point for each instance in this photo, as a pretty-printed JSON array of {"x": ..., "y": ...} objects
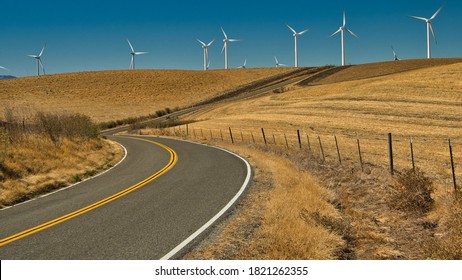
[
  {"x": 424, "y": 103},
  {"x": 113, "y": 95},
  {"x": 369, "y": 101},
  {"x": 350, "y": 212}
]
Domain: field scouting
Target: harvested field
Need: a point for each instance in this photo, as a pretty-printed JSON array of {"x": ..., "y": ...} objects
[{"x": 112, "y": 95}]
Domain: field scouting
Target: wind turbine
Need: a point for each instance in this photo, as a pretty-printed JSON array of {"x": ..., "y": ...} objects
[
  {"x": 39, "y": 61},
  {"x": 296, "y": 34},
  {"x": 342, "y": 30},
  {"x": 206, "y": 53},
  {"x": 430, "y": 29},
  {"x": 133, "y": 53},
  {"x": 225, "y": 46},
  {"x": 395, "y": 56},
  {"x": 1, "y": 67},
  {"x": 243, "y": 65},
  {"x": 279, "y": 64}
]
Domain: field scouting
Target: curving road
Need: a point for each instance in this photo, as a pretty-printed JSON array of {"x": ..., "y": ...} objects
[{"x": 157, "y": 197}]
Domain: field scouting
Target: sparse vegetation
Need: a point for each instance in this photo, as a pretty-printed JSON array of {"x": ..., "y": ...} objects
[
  {"x": 45, "y": 151},
  {"x": 413, "y": 192}
]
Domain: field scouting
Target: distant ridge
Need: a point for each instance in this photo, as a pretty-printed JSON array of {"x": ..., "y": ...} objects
[{"x": 7, "y": 77}]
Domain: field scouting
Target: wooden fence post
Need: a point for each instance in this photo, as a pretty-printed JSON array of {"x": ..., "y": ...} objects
[
  {"x": 338, "y": 150},
  {"x": 412, "y": 154},
  {"x": 322, "y": 150},
  {"x": 263, "y": 133},
  {"x": 221, "y": 134},
  {"x": 287, "y": 143},
  {"x": 359, "y": 151},
  {"x": 242, "y": 137},
  {"x": 390, "y": 153},
  {"x": 253, "y": 138},
  {"x": 274, "y": 140},
  {"x": 299, "y": 139},
  {"x": 452, "y": 166},
  {"x": 187, "y": 130},
  {"x": 231, "y": 135}
]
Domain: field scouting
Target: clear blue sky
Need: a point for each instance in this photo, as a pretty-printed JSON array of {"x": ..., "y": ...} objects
[{"x": 89, "y": 35}]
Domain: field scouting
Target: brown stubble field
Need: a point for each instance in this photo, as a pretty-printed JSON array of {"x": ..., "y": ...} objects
[
  {"x": 426, "y": 104},
  {"x": 113, "y": 95}
]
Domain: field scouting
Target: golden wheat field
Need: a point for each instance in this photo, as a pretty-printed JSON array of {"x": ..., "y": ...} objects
[{"x": 112, "y": 95}]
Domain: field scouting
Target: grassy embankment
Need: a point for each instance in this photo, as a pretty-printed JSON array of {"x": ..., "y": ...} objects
[{"x": 46, "y": 151}]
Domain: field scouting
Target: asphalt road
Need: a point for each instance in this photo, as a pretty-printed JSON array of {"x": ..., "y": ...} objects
[{"x": 146, "y": 223}]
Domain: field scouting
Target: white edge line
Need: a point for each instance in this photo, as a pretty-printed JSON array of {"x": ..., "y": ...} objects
[
  {"x": 73, "y": 185},
  {"x": 222, "y": 211}
]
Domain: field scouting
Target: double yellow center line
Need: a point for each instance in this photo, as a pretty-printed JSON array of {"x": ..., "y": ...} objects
[{"x": 170, "y": 164}]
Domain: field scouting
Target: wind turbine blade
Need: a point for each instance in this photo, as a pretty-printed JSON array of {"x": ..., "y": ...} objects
[
  {"x": 202, "y": 43},
  {"x": 282, "y": 64},
  {"x": 433, "y": 33},
  {"x": 293, "y": 30},
  {"x": 41, "y": 51},
  {"x": 437, "y": 12},
  {"x": 344, "y": 17},
  {"x": 234, "y": 40},
  {"x": 277, "y": 62},
  {"x": 304, "y": 31},
  {"x": 211, "y": 42},
  {"x": 224, "y": 33},
  {"x": 351, "y": 32},
  {"x": 1, "y": 67},
  {"x": 223, "y": 49},
  {"x": 32, "y": 55},
  {"x": 131, "y": 47},
  {"x": 421, "y": 18},
  {"x": 336, "y": 32},
  {"x": 137, "y": 53}
]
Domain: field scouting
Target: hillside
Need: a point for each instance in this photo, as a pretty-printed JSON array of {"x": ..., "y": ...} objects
[
  {"x": 425, "y": 103},
  {"x": 111, "y": 95},
  {"x": 413, "y": 214}
]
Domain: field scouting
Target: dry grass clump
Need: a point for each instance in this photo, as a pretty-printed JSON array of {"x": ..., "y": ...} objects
[
  {"x": 286, "y": 215},
  {"x": 413, "y": 192},
  {"x": 49, "y": 152},
  {"x": 446, "y": 243}
]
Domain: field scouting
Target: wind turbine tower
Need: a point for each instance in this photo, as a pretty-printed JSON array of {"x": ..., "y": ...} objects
[
  {"x": 430, "y": 29},
  {"x": 342, "y": 29},
  {"x": 206, "y": 53},
  {"x": 296, "y": 34},
  {"x": 133, "y": 53},
  {"x": 38, "y": 58},
  {"x": 226, "y": 41}
]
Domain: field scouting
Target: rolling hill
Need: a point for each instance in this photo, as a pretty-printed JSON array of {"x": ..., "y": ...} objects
[{"x": 111, "y": 95}]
